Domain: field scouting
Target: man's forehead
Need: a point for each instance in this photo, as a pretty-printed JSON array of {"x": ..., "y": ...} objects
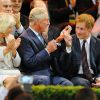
[{"x": 5, "y": 1}]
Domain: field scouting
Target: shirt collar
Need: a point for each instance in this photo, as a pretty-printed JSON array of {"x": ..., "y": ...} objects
[
  {"x": 36, "y": 33},
  {"x": 87, "y": 40}
]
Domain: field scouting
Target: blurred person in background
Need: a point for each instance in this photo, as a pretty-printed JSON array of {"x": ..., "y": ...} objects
[
  {"x": 8, "y": 84},
  {"x": 85, "y": 94},
  {"x": 25, "y": 9},
  {"x": 86, "y": 6},
  {"x": 59, "y": 11},
  {"x": 96, "y": 28},
  {"x": 38, "y": 3},
  {"x": 16, "y": 7},
  {"x": 7, "y": 7},
  {"x": 17, "y": 93}
]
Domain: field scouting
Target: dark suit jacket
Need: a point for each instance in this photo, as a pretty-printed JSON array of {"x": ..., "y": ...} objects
[
  {"x": 58, "y": 11},
  {"x": 70, "y": 63},
  {"x": 24, "y": 21},
  {"x": 53, "y": 33},
  {"x": 33, "y": 55}
]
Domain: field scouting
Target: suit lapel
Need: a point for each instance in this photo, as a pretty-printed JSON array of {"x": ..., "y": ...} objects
[
  {"x": 77, "y": 45},
  {"x": 35, "y": 39},
  {"x": 92, "y": 53},
  {"x": 76, "y": 51}
]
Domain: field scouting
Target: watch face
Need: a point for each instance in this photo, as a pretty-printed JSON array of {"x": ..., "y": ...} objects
[{"x": 2, "y": 42}]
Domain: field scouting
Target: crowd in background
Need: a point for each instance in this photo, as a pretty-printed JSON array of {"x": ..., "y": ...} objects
[{"x": 51, "y": 42}]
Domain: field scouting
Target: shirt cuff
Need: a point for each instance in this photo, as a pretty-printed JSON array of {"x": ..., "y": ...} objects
[
  {"x": 20, "y": 30},
  {"x": 47, "y": 51},
  {"x": 16, "y": 60},
  {"x": 70, "y": 6},
  {"x": 68, "y": 49},
  {"x": 98, "y": 79}
]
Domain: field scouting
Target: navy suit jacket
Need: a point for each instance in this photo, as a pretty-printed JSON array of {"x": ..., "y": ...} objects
[
  {"x": 33, "y": 55},
  {"x": 71, "y": 62},
  {"x": 24, "y": 21}
]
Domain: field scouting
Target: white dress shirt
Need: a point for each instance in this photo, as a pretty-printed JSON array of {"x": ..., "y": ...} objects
[
  {"x": 19, "y": 31},
  {"x": 40, "y": 38},
  {"x": 94, "y": 2},
  {"x": 87, "y": 46}
]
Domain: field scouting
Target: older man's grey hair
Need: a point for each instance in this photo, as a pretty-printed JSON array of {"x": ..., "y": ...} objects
[{"x": 38, "y": 14}]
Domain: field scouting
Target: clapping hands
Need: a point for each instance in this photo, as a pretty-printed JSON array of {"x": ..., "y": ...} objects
[{"x": 12, "y": 46}]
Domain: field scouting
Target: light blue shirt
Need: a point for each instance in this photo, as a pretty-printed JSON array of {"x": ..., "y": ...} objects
[{"x": 38, "y": 35}]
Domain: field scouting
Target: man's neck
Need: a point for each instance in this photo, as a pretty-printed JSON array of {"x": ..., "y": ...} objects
[{"x": 36, "y": 29}]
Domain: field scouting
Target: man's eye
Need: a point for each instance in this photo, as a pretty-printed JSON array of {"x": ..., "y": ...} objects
[{"x": 7, "y": 6}]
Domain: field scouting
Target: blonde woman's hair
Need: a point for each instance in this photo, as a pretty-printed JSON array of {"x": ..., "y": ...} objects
[
  {"x": 38, "y": 14},
  {"x": 6, "y": 21},
  {"x": 87, "y": 19}
]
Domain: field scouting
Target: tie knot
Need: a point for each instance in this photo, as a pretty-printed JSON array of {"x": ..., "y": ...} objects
[{"x": 84, "y": 41}]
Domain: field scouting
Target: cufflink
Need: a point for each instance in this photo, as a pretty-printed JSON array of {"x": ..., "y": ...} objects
[{"x": 58, "y": 44}]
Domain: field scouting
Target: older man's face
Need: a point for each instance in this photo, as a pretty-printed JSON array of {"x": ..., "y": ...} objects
[
  {"x": 16, "y": 5},
  {"x": 43, "y": 25}
]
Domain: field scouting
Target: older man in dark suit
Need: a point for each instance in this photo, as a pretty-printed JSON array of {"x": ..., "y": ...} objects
[{"x": 34, "y": 51}]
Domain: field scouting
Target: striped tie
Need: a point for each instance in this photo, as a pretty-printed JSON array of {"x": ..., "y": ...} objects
[{"x": 85, "y": 66}]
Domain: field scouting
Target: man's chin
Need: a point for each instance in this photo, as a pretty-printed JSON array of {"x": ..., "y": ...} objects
[{"x": 16, "y": 10}]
